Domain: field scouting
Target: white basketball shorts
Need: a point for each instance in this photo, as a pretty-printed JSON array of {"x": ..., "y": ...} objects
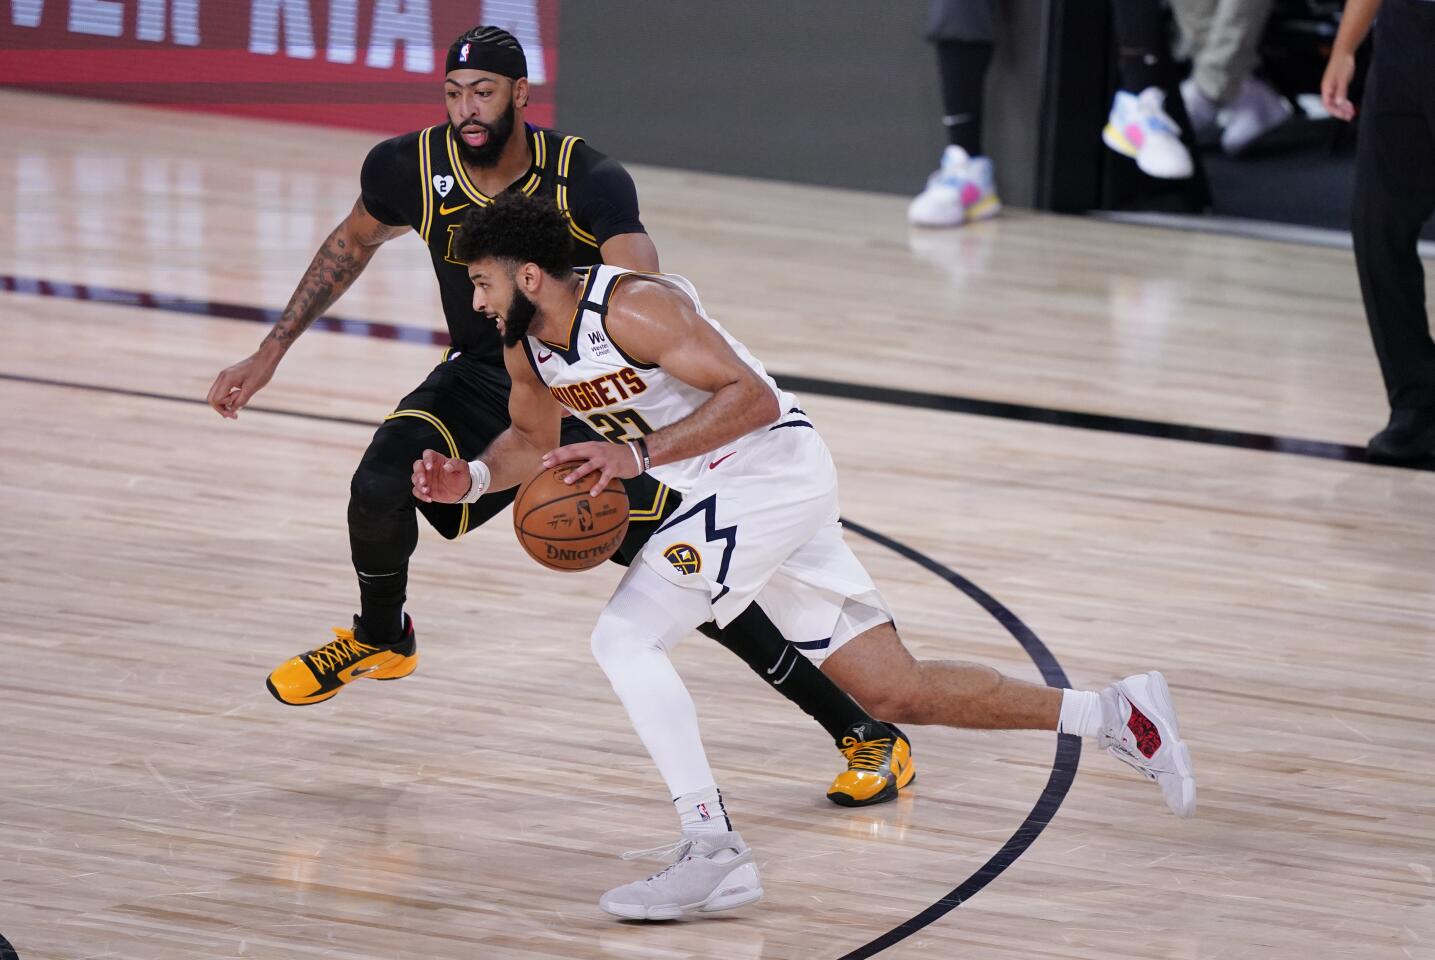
[{"x": 761, "y": 525}]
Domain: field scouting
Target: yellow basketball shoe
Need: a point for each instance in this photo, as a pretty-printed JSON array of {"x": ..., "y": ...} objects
[
  {"x": 319, "y": 674},
  {"x": 876, "y": 768}
]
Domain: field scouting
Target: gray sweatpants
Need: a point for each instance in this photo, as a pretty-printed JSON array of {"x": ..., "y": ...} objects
[{"x": 1222, "y": 36}]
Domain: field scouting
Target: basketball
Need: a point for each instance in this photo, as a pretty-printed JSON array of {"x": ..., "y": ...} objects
[{"x": 563, "y": 527}]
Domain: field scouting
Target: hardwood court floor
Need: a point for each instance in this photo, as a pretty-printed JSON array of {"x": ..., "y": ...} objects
[{"x": 156, "y": 562}]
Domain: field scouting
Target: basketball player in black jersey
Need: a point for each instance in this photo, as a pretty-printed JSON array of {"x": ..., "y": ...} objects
[{"x": 425, "y": 182}]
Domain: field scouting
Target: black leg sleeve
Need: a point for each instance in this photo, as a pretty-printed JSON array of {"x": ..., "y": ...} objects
[
  {"x": 963, "y": 65},
  {"x": 754, "y": 638},
  {"x": 383, "y": 528},
  {"x": 1141, "y": 43}
]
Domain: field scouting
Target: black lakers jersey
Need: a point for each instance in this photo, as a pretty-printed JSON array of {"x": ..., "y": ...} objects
[{"x": 417, "y": 180}]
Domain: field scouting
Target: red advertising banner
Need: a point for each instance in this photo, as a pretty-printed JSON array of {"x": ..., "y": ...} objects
[{"x": 367, "y": 64}]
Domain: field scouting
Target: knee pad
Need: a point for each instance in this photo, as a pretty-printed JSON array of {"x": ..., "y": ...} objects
[
  {"x": 383, "y": 483},
  {"x": 378, "y": 489}
]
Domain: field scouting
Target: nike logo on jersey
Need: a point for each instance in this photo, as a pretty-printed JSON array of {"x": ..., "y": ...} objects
[
  {"x": 719, "y": 460},
  {"x": 544, "y": 357},
  {"x": 444, "y": 209}
]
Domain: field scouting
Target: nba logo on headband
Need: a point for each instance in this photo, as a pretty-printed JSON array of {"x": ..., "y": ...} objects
[{"x": 463, "y": 53}]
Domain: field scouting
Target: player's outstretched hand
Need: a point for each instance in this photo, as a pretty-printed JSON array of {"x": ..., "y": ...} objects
[
  {"x": 441, "y": 479},
  {"x": 235, "y": 385},
  {"x": 607, "y": 460}
]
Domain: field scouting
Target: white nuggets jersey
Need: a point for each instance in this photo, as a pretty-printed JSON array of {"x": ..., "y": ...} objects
[
  {"x": 620, "y": 396},
  {"x": 759, "y": 517}
]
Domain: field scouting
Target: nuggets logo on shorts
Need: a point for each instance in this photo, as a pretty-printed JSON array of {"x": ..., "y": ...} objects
[{"x": 684, "y": 558}]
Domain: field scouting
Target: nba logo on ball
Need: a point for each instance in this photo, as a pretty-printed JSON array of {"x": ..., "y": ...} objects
[
  {"x": 463, "y": 53},
  {"x": 684, "y": 558}
]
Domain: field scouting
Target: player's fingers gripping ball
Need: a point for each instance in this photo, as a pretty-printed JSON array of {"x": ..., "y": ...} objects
[{"x": 563, "y": 526}]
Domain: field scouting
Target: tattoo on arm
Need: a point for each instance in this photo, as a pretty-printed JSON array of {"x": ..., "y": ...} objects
[{"x": 337, "y": 264}]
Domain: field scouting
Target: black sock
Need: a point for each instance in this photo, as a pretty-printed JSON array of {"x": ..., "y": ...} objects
[
  {"x": 754, "y": 638},
  {"x": 1141, "y": 43},
  {"x": 963, "y": 66},
  {"x": 381, "y": 604}
]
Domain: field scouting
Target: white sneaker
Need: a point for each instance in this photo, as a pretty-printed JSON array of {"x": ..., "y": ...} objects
[
  {"x": 962, "y": 190},
  {"x": 1256, "y": 110},
  {"x": 1138, "y": 127},
  {"x": 712, "y": 872},
  {"x": 1138, "y": 727},
  {"x": 1203, "y": 111}
]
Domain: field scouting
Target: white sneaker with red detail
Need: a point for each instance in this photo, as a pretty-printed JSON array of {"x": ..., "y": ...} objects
[{"x": 1139, "y": 728}]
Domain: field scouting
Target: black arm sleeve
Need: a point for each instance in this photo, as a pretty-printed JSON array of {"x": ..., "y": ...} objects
[
  {"x": 382, "y": 181},
  {"x": 601, "y": 195}
]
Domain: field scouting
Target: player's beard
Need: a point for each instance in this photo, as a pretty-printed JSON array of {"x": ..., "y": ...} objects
[
  {"x": 519, "y": 319},
  {"x": 499, "y": 133}
]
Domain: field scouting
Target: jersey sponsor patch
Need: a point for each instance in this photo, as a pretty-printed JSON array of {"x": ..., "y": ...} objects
[
  {"x": 684, "y": 558},
  {"x": 443, "y": 184}
]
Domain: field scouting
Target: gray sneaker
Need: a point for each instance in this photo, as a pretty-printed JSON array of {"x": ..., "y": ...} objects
[
  {"x": 712, "y": 872},
  {"x": 1139, "y": 729}
]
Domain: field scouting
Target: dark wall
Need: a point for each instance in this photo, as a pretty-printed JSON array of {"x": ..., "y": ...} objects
[{"x": 834, "y": 92}]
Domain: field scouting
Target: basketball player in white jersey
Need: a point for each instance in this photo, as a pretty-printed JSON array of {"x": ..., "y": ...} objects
[{"x": 758, "y": 523}]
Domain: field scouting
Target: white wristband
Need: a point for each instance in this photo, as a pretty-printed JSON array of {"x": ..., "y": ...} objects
[{"x": 479, "y": 479}]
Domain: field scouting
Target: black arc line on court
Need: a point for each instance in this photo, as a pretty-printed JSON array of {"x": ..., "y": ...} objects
[
  {"x": 1068, "y": 746},
  {"x": 1063, "y": 767},
  {"x": 948, "y": 403}
]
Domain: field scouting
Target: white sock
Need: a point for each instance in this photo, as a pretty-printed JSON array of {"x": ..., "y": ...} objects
[
  {"x": 1080, "y": 713},
  {"x": 703, "y": 811}
]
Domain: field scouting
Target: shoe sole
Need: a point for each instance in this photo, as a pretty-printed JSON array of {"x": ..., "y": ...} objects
[
  {"x": 320, "y": 698},
  {"x": 299, "y": 703},
  {"x": 984, "y": 209},
  {"x": 673, "y": 911},
  {"x": 1118, "y": 142}
]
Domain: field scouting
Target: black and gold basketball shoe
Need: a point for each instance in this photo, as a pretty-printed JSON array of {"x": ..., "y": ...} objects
[
  {"x": 316, "y": 676},
  {"x": 879, "y": 763}
]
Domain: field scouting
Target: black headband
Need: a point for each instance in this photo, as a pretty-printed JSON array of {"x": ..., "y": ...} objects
[{"x": 490, "y": 49}]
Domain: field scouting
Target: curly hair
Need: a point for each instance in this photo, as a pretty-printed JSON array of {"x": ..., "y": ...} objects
[{"x": 517, "y": 228}]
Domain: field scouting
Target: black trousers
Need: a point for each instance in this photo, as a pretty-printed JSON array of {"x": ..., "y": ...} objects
[{"x": 1395, "y": 196}]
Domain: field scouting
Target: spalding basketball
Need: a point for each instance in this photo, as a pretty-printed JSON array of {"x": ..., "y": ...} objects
[{"x": 564, "y": 527}]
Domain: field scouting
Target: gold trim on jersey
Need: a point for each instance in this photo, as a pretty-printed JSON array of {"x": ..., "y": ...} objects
[
  {"x": 565, "y": 158},
  {"x": 460, "y": 173},
  {"x": 632, "y": 358},
  {"x": 653, "y": 512},
  {"x": 426, "y": 184},
  {"x": 577, "y": 312},
  {"x": 438, "y": 425}
]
